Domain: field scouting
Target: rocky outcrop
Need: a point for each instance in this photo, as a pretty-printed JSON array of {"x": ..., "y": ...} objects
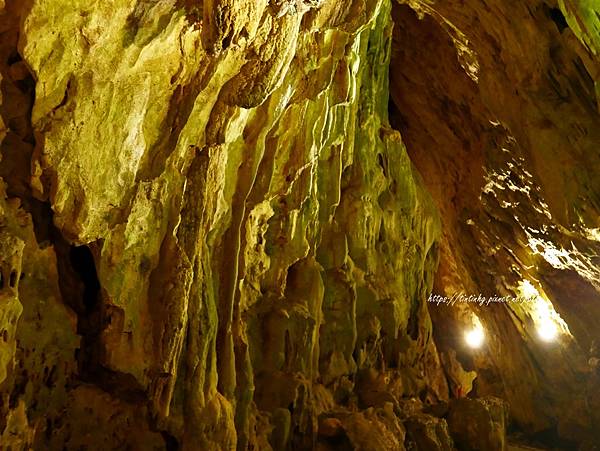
[
  {"x": 235, "y": 236},
  {"x": 429, "y": 432},
  {"x": 478, "y": 424}
]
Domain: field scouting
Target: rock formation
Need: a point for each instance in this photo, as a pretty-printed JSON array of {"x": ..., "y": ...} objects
[{"x": 221, "y": 222}]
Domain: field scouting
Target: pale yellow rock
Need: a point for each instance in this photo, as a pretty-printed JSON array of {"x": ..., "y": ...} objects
[{"x": 11, "y": 251}]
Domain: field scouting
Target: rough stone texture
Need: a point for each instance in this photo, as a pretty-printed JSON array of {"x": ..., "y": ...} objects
[
  {"x": 478, "y": 424},
  {"x": 497, "y": 103},
  {"x": 234, "y": 238},
  {"x": 428, "y": 433},
  {"x": 212, "y": 238},
  {"x": 370, "y": 430}
]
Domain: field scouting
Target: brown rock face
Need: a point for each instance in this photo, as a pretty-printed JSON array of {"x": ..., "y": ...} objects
[
  {"x": 498, "y": 106},
  {"x": 212, "y": 238},
  {"x": 478, "y": 424}
]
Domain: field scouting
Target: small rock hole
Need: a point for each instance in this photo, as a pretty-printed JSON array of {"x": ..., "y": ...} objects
[
  {"x": 171, "y": 443},
  {"x": 382, "y": 163},
  {"x": 558, "y": 18},
  {"x": 13, "y": 279}
]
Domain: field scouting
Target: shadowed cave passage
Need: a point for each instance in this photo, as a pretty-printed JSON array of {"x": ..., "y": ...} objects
[
  {"x": 299, "y": 225},
  {"x": 488, "y": 175},
  {"x": 82, "y": 261}
]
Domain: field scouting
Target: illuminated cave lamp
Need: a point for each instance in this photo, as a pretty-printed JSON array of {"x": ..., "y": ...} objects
[
  {"x": 547, "y": 321},
  {"x": 475, "y": 336},
  {"x": 547, "y": 330}
]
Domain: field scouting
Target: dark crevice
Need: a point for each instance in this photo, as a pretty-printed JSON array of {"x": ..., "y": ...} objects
[
  {"x": 82, "y": 260},
  {"x": 81, "y": 290},
  {"x": 13, "y": 279},
  {"x": 43, "y": 222},
  {"x": 65, "y": 98},
  {"x": 413, "y": 321},
  {"x": 14, "y": 58},
  {"x": 558, "y": 18},
  {"x": 171, "y": 443}
]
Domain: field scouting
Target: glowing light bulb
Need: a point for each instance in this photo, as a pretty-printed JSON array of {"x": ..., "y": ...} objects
[
  {"x": 548, "y": 323},
  {"x": 547, "y": 330},
  {"x": 474, "y": 337}
]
